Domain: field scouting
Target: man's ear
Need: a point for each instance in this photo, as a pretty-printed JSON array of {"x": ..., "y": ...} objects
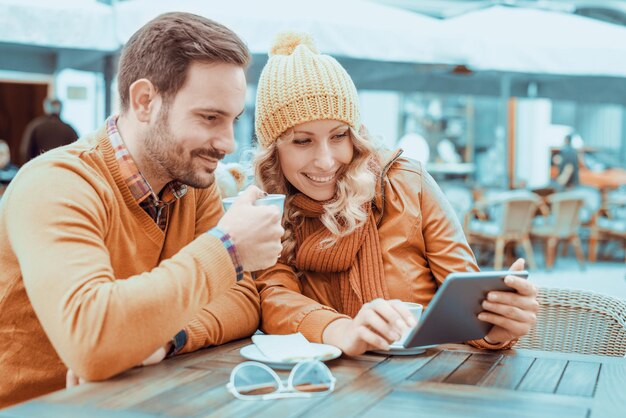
[{"x": 143, "y": 98}]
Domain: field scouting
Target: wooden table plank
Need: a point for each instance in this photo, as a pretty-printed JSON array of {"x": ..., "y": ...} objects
[
  {"x": 493, "y": 393},
  {"x": 509, "y": 372},
  {"x": 610, "y": 395},
  {"x": 579, "y": 379},
  {"x": 427, "y": 399},
  {"x": 52, "y": 410},
  {"x": 178, "y": 397},
  {"x": 137, "y": 394},
  {"x": 353, "y": 400},
  {"x": 93, "y": 393},
  {"x": 543, "y": 376},
  {"x": 203, "y": 403},
  {"x": 474, "y": 369},
  {"x": 441, "y": 366}
]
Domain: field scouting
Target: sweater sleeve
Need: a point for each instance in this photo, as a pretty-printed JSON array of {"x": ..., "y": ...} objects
[
  {"x": 100, "y": 326},
  {"x": 233, "y": 314},
  {"x": 286, "y": 310}
]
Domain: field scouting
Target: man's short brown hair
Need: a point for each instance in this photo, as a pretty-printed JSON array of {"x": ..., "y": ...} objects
[{"x": 162, "y": 50}]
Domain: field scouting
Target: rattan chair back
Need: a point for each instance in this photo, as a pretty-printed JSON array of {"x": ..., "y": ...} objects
[
  {"x": 576, "y": 321},
  {"x": 566, "y": 208}
]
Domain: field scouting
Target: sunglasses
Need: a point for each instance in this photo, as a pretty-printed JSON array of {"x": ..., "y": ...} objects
[{"x": 256, "y": 381}]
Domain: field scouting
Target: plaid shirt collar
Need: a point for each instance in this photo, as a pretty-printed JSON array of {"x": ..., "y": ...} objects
[{"x": 136, "y": 182}]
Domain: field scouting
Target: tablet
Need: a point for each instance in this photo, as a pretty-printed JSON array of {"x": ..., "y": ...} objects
[{"x": 451, "y": 316}]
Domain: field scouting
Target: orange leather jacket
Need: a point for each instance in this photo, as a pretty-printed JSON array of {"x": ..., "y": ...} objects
[{"x": 422, "y": 241}]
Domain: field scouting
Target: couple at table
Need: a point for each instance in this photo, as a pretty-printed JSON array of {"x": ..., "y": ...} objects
[{"x": 116, "y": 252}]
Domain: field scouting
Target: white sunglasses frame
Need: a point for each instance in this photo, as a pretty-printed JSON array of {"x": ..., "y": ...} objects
[{"x": 284, "y": 390}]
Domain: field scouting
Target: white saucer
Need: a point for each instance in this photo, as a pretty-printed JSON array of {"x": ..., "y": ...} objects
[
  {"x": 323, "y": 352},
  {"x": 398, "y": 350}
]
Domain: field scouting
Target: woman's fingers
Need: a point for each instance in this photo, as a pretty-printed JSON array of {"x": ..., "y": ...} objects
[
  {"x": 521, "y": 285},
  {"x": 372, "y": 339},
  {"x": 510, "y": 312},
  {"x": 525, "y": 302},
  {"x": 372, "y": 320},
  {"x": 518, "y": 265},
  {"x": 408, "y": 319},
  {"x": 379, "y": 323},
  {"x": 514, "y": 328},
  {"x": 394, "y": 313}
]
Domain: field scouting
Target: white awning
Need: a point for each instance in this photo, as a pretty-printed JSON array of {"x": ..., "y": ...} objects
[
  {"x": 345, "y": 28},
  {"x": 71, "y": 24},
  {"x": 514, "y": 39}
]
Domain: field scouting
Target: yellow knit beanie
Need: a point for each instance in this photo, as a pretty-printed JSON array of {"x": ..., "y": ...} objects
[{"x": 297, "y": 85}]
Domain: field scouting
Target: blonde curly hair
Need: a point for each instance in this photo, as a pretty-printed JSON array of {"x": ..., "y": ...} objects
[{"x": 345, "y": 212}]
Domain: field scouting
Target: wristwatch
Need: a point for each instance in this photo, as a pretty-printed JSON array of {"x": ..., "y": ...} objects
[{"x": 178, "y": 342}]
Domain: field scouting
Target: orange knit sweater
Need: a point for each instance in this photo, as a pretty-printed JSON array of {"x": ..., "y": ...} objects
[{"x": 88, "y": 280}]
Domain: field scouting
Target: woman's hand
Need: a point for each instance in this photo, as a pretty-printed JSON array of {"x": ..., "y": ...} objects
[
  {"x": 378, "y": 324},
  {"x": 513, "y": 314}
]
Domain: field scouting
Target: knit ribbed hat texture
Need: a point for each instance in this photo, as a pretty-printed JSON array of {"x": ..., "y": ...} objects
[{"x": 297, "y": 85}]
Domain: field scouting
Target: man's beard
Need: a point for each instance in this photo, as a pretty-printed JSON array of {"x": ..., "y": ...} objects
[{"x": 167, "y": 157}]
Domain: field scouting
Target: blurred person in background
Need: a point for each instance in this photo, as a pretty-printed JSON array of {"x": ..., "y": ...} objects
[
  {"x": 365, "y": 227},
  {"x": 8, "y": 170},
  {"x": 115, "y": 249},
  {"x": 46, "y": 132},
  {"x": 567, "y": 163}
]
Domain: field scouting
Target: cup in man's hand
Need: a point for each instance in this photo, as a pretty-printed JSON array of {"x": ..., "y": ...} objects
[{"x": 270, "y": 199}]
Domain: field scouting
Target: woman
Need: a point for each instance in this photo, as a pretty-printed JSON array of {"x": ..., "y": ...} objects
[{"x": 365, "y": 228}]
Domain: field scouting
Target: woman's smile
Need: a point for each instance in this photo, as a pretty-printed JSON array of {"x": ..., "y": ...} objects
[{"x": 321, "y": 179}]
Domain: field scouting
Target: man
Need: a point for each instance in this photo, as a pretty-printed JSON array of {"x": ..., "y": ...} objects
[
  {"x": 46, "y": 132},
  {"x": 567, "y": 162},
  {"x": 106, "y": 259}
]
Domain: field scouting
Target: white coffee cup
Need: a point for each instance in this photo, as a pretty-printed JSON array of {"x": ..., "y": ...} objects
[
  {"x": 416, "y": 311},
  {"x": 270, "y": 199}
]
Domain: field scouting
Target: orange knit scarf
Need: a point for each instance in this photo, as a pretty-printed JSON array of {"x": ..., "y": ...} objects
[{"x": 355, "y": 261}]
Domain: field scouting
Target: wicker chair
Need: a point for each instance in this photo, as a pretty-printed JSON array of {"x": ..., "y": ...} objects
[
  {"x": 562, "y": 225},
  {"x": 576, "y": 321},
  {"x": 511, "y": 215},
  {"x": 608, "y": 223}
]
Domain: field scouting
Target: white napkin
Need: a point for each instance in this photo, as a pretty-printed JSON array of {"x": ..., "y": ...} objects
[{"x": 286, "y": 348}]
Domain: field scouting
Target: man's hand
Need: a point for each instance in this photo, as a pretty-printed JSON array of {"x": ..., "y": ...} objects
[
  {"x": 255, "y": 230},
  {"x": 513, "y": 314},
  {"x": 157, "y": 356},
  {"x": 378, "y": 324},
  {"x": 72, "y": 380}
]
